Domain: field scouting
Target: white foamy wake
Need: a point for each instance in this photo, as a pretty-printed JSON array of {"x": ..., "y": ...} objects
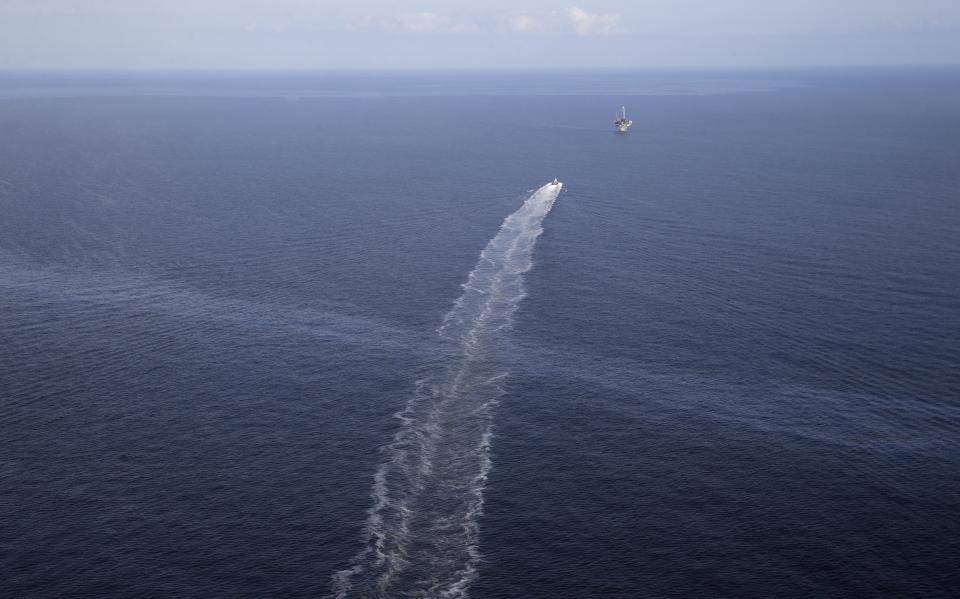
[{"x": 422, "y": 531}]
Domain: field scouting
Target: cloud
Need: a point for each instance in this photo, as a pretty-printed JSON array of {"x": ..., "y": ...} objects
[
  {"x": 525, "y": 24},
  {"x": 585, "y": 23},
  {"x": 419, "y": 22},
  {"x": 432, "y": 22}
]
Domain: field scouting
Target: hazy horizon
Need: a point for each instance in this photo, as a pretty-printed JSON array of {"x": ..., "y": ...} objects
[
  {"x": 459, "y": 34},
  {"x": 693, "y": 69}
]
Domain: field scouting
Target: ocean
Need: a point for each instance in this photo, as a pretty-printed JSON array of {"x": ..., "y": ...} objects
[{"x": 335, "y": 335}]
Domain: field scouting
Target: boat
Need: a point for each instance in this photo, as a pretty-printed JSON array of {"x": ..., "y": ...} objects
[{"x": 622, "y": 122}]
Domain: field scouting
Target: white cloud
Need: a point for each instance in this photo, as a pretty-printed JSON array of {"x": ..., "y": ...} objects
[
  {"x": 432, "y": 23},
  {"x": 419, "y": 22},
  {"x": 525, "y": 24},
  {"x": 585, "y": 23}
]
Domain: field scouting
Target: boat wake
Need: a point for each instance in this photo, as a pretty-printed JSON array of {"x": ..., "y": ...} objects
[{"x": 422, "y": 532}]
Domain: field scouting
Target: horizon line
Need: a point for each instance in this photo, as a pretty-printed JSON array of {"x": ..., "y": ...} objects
[{"x": 479, "y": 69}]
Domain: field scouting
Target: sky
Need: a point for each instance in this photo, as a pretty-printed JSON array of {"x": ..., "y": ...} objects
[{"x": 402, "y": 34}]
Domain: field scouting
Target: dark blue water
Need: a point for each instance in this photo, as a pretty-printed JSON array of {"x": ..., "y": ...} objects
[{"x": 726, "y": 363}]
